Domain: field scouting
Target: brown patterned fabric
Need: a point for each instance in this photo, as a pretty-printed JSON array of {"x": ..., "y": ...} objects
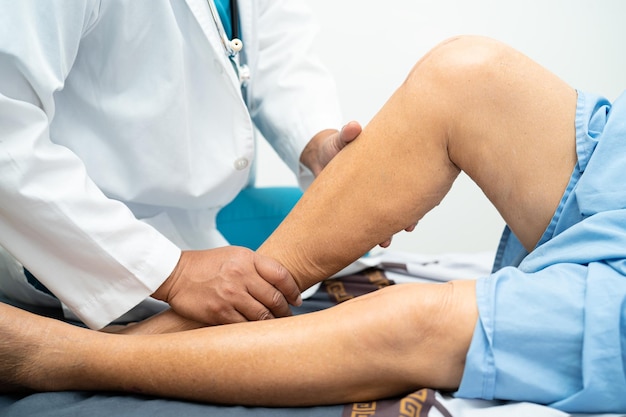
[
  {"x": 417, "y": 404},
  {"x": 350, "y": 286}
]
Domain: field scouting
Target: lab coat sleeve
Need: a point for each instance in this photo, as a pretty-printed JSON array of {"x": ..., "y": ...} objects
[
  {"x": 293, "y": 96},
  {"x": 88, "y": 250}
]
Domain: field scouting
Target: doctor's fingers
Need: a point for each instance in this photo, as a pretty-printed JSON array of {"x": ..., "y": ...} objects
[
  {"x": 279, "y": 278},
  {"x": 265, "y": 302},
  {"x": 337, "y": 141},
  {"x": 387, "y": 242},
  {"x": 261, "y": 301},
  {"x": 349, "y": 132},
  {"x": 247, "y": 298}
]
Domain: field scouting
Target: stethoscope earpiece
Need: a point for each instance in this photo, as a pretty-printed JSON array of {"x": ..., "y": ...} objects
[{"x": 236, "y": 44}]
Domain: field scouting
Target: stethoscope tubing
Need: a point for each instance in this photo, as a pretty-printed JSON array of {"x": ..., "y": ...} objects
[
  {"x": 234, "y": 45},
  {"x": 234, "y": 19}
]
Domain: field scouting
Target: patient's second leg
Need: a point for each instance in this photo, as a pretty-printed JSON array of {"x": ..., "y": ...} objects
[{"x": 388, "y": 342}]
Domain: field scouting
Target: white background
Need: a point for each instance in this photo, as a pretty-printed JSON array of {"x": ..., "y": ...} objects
[{"x": 370, "y": 46}]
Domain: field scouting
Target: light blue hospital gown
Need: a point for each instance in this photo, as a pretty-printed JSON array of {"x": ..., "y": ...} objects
[{"x": 552, "y": 326}]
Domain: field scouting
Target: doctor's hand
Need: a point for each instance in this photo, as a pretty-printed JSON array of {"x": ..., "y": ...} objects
[
  {"x": 229, "y": 285},
  {"x": 387, "y": 242},
  {"x": 326, "y": 144}
]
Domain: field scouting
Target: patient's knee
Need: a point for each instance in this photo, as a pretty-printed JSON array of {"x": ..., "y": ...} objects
[
  {"x": 464, "y": 62},
  {"x": 444, "y": 326}
]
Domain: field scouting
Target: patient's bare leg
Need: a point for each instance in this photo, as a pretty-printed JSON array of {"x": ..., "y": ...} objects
[
  {"x": 471, "y": 104},
  {"x": 389, "y": 342}
]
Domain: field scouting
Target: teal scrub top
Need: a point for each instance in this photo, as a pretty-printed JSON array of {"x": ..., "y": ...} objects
[{"x": 223, "y": 8}]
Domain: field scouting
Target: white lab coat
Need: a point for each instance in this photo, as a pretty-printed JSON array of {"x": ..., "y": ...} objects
[{"x": 123, "y": 132}]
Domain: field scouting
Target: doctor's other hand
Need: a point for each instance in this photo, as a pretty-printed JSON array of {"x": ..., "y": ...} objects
[
  {"x": 323, "y": 147},
  {"x": 229, "y": 285},
  {"x": 387, "y": 242}
]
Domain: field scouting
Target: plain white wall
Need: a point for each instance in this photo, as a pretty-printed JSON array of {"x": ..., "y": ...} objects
[{"x": 371, "y": 45}]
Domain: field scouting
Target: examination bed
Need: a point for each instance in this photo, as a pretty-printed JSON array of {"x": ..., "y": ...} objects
[{"x": 367, "y": 274}]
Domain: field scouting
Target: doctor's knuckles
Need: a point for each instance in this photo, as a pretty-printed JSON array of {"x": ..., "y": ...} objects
[{"x": 229, "y": 285}]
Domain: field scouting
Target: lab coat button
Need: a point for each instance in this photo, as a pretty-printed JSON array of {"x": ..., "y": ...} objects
[{"x": 241, "y": 164}]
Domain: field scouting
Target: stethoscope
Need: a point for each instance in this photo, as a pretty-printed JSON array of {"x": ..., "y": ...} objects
[{"x": 232, "y": 47}]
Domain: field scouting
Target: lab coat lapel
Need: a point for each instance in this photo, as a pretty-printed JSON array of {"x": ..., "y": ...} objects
[{"x": 202, "y": 13}]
